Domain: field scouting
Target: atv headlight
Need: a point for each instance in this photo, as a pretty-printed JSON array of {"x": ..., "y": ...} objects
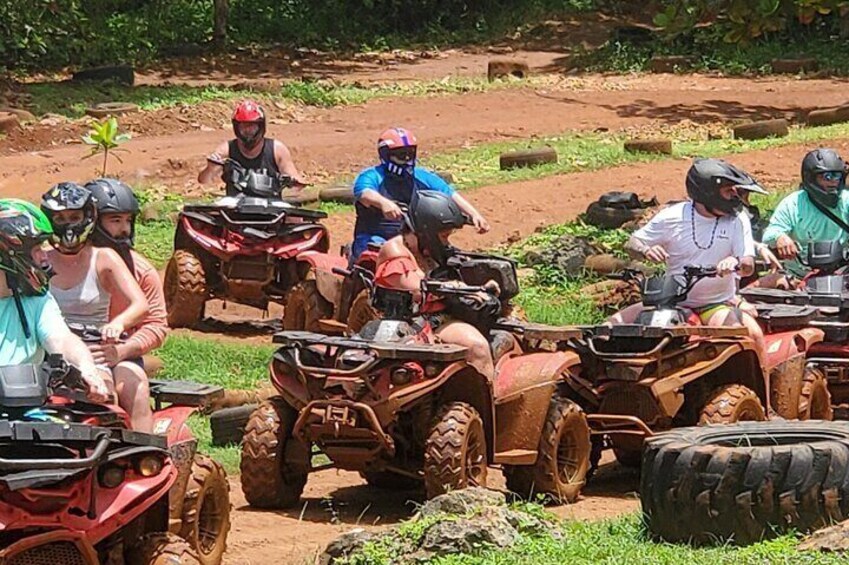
[
  {"x": 111, "y": 476},
  {"x": 149, "y": 466}
]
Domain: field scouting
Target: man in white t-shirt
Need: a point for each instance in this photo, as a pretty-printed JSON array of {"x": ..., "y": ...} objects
[{"x": 707, "y": 230}]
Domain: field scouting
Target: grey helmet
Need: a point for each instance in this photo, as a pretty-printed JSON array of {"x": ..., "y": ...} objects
[
  {"x": 821, "y": 161},
  {"x": 707, "y": 176},
  {"x": 429, "y": 213}
]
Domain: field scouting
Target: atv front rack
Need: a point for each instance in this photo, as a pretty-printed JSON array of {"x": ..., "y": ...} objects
[
  {"x": 796, "y": 298},
  {"x": 441, "y": 352},
  {"x": 650, "y": 332}
]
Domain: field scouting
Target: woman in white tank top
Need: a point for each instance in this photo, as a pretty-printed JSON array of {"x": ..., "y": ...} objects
[{"x": 86, "y": 278}]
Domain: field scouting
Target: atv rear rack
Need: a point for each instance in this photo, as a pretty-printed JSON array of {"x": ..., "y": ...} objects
[
  {"x": 796, "y": 298},
  {"x": 184, "y": 393},
  {"x": 443, "y": 352},
  {"x": 650, "y": 332}
]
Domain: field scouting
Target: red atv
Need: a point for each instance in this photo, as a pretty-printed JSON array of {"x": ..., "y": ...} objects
[
  {"x": 404, "y": 411},
  {"x": 251, "y": 248},
  {"x": 668, "y": 370},
  {"x": 78, "y": 486}
]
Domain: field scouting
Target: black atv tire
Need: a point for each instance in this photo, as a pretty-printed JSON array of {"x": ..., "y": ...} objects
[
  {"x": 273, "y": 475},
  {"x": 161, "y": 549},
  {"x": 745, "y": 482},
  {"x": 206, "y": 510},
  {"x": 563, "y": 458},
  {"x": 814, "y": 398},
  {"x": 305, "y": 307},
  {"x": 729, "y": 404},
  {"x": 610, "y": 218},
  {"x": 361, "y": 313},
  {"x": 228, "y": 424},
  {"x": 455, "y": 450},
  {"x": 630, "y": 458},
  {"x": 185, "y": 289}
]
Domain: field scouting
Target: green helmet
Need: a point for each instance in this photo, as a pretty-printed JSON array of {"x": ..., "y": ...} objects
[{"x": 23, "y": 226}]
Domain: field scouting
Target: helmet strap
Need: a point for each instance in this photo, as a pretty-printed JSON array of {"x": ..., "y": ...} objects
[{"x": 19, "y": 306}]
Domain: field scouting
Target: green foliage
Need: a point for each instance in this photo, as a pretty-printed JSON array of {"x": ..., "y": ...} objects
[{"x": 104, "y": 138}]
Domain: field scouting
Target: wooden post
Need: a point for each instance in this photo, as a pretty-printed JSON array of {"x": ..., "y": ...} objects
[{"x": 221, "y": 10}]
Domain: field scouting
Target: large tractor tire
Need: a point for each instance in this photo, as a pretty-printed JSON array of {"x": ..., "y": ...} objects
[
  {"x": 274, "y": 469},
  {"x": 305, "y": 307},
  {"x": 185, "y": 289},
  {"x": 814, "y": 399},
  {"x": 732, "y": 403},
  {"x": 564, "y": 456},
  {"x": 161, "y": 549},
  {"x": 361, "y": 313},
  {"x": 206, "y": 510},
  {"x": 455, "y": 451},
  {"x": 745, "y": 482}
]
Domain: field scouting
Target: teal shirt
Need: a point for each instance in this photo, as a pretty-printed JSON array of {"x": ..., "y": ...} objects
[
  {"x": 43, "y": 316},
  {"x": 797, "y": 217}
]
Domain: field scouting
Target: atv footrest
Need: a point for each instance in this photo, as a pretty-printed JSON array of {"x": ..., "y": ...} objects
[{"x": 185, "y": 393}]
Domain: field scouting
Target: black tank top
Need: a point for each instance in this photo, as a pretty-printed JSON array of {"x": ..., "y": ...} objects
[{"x": 265, "y": 160}]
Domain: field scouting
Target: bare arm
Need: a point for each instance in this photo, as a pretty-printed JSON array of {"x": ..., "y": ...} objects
[
  {"x": 212, "y": 172},
  {"x": 373, "y": 199},
  {"x": 637, "y": 249},
  {"x": 117, "y": 279},
  {"x": 285, "y": 163},
  {"x": 477, "y": 218},
  {"x": 61, "y": 341}
]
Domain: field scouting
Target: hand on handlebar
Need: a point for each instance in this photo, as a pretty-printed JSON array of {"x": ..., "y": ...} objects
[
  {"x": 390, "y": 210},
  {"x": 768, "y": 257},
  {"x": 727, "y": 266},
  {"x": 96, "y": 391},
  {"x": 656, "y": 253},
  {"x": 786, "y": 247},
  {"x": 111, "y": 332}
]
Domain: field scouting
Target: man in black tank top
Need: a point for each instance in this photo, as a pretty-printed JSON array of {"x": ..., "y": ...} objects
[{"x": 250, "y": 148}]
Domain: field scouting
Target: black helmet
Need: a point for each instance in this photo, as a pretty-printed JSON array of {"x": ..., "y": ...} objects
[
  {"x": 114, "y": 197},
  {"x": 431, "y": 212},
  {"x": 821, "y": 161},
  {"x": 707, "y": 176},
  {"x": 70, "y": 238}
]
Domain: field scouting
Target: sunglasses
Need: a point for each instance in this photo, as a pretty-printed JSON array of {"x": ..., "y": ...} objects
[
  {"x": 832, "y": 176},
  {"x": 403, "y": 155}
]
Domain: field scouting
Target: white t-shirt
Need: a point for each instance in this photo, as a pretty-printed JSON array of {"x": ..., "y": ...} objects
[{"x": 715, "y": 239}]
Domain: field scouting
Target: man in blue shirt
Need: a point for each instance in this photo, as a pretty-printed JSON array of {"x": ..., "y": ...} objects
[{"x": 380, "y": 191}]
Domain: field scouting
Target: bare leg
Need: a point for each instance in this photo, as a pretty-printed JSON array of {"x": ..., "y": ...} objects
[
  {"x": 626, "y": 316},
  {"x": 478, "y": 354},
  {"x": 134, "y": 395}
]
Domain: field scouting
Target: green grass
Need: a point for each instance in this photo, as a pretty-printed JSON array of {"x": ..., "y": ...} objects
[
  {"x": 231, "y": 365},
  {"x": 155, "y": 240},
  {"x": 71, "y": 99},
  {"x": 478, "y": 165},
  {"x": 616, "y": 541}
]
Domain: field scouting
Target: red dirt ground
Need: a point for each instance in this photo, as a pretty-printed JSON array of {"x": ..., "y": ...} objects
[{"x": 335, "y": 502}]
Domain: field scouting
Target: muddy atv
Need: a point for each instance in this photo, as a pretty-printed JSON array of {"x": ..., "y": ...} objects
[
  {"x": 823, "y": 293},
  {"x": 247, "y": 249},
  {"x": 342, "y": 303},
  {"x": 404, "y": 412},
  {"x": 667, "y": 370},
  {"x": 79, "y": 486}
]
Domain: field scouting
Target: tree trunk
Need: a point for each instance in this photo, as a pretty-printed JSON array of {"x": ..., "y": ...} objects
[{"x": 221, "y": 9}]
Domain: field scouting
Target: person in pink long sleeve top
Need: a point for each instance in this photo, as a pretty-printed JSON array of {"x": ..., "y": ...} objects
[{"x": 117, "y": 211}]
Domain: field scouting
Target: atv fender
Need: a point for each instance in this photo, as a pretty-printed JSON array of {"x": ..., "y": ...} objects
[
  {"x": 524, "y": 386},
  {"x": 328, "y": 283},
  {"x": 786, "y": 354},
  {"x": 172, "y": 422}
]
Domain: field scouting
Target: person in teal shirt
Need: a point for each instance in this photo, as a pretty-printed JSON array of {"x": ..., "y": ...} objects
[
  {"x": 797, "y": 221},
  {"x": 30, "y": 320}
]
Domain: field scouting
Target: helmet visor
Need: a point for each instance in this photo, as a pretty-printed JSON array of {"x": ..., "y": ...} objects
[{"x": 403, "y": 155}]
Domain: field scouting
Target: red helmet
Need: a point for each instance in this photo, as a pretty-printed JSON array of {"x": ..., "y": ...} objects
[
  {"x": 397, "y": 150},
  {"x": 249, "y": 113}
]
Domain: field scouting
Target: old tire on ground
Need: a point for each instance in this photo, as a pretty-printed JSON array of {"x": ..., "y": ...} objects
[
  {"x": 761, "y": 130},
  {"x": 8, "y": 122},
  {"x": 502, "y": 68},
  {"x": 630, "y": 458},
  {"x": 305, "y": 307},
  {"x": 814, "y": 398},
  {"x": 746, "y": 481},
  {"x": 564, "y": 456},
  {"x": 388, "y": 480},
  {"x": 528, "y": 158},
  {"x": 455, "y": 450},
  {"x": 105, "y": 109},
  {"x": 732, "y": 403},
  {"x": 274, "y": 468},
  {"x": 228, "y": 424},
  {"x": 610, "y": 218},
  {"x": 827, "y": 116},
  {"x": 185, "y": 289},
  {"x": 343, "y": 194},
  {"x": 161, "y": 549},
  {"x": 670, "y": 63},
  {"x": 660, "y": 146},
  {"x": 794, "y": 66},
  {"x": 299, "y": 197},
  {"x": 118, "y": 73},
  {"x": 206, "y": 510},
  {"x": 361, "y": 312}
]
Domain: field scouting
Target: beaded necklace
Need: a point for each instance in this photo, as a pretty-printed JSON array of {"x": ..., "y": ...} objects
[{"x": 693, "y": 228}]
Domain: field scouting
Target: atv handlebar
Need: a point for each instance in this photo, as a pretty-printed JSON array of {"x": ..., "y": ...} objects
[
  {"x": 285, "y": 180},
  {"x": 90, "y": 333},
  {"x": 444, "y": 288}
]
